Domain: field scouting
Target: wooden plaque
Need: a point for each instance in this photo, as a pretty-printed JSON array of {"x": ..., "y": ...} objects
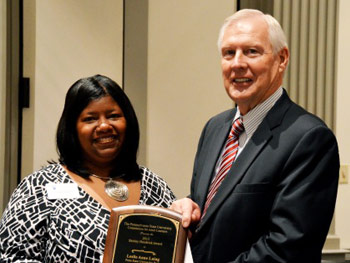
[{"x": 145, "y": 234}]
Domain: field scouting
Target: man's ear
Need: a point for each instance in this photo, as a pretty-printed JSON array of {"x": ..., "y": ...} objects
[{"x": 283, "y": 55}]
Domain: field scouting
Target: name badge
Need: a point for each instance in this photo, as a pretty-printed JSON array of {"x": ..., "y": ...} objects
[{"x": 60, "y": 191}]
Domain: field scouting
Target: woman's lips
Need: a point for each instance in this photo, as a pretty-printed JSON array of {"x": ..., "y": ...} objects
[{"x": 106, "y": 139}]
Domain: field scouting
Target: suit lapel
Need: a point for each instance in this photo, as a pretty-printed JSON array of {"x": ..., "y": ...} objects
[{"x": 251, "y": 151}]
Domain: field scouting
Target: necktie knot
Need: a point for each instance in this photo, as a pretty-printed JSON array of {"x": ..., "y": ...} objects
[{"x": 237, "y": 128}]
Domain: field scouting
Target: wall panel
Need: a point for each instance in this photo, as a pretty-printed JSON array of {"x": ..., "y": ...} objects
[{"x": 310, "y": 29}]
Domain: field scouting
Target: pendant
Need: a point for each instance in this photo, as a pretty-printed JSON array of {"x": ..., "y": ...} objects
[{"x": 118, "y": 191}]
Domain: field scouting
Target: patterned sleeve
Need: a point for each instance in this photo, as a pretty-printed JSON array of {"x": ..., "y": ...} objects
[
  {"x": 22, "y": 227},
  {"x": 154, "y": 190}
]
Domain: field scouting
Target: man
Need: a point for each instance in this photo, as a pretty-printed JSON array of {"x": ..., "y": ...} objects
[{"x": 276, "y": 193}]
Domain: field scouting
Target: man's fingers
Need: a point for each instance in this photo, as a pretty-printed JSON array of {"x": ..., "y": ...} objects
[{"x": 190, "y": 211}]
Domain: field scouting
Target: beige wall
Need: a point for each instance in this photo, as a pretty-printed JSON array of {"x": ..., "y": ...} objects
[
  {"x": 64, "y": 41},
  {"x": 342, "y": 216},
  {"x": 2, "y": 96},
  {"x": 184, "y": 86},
  {"x": 184, "y": 83}
]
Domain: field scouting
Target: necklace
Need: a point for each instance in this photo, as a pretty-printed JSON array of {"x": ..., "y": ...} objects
[{"x": 114, "y": 189}]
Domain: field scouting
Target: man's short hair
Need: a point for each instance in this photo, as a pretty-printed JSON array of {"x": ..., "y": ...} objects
[{"x": 276, "y": 33}]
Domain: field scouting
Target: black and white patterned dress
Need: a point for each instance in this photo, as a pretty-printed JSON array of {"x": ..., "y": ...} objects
[{"x": 36, "y": 229}]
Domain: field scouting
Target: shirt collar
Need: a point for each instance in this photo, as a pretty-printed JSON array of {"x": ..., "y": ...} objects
[{"x": 254, "y": 117}]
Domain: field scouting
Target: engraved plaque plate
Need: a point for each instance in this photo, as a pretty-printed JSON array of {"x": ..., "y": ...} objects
[{"x": 142, "y": 234}]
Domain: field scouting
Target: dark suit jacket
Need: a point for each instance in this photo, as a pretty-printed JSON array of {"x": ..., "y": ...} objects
[{"x": 277, "y": 201}]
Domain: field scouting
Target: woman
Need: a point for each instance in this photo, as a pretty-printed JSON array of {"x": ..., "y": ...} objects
[{"x": 61, "y": 212}]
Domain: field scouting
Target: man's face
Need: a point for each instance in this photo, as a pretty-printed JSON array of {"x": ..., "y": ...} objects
[{"x": 251, "y": 71}]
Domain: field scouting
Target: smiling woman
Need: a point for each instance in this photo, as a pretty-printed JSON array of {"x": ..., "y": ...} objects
[
  {"x": 61, "y": 212},
  {"x": 101, "y": 128}
]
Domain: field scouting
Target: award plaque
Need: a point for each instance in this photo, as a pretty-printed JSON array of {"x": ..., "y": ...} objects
[{"x": 145, "y": 234}]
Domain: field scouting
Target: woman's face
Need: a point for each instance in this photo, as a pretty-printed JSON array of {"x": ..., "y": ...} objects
[{"x": 101, "y": 128}]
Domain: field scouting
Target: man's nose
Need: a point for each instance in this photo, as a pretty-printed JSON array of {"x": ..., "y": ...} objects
[{"x": 239, "y": 61}]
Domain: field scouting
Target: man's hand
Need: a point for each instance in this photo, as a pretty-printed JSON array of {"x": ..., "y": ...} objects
[{"x": 190, "y": 211}]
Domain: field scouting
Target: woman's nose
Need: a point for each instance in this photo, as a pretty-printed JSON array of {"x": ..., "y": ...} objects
[{"x": 104, "y": 125}]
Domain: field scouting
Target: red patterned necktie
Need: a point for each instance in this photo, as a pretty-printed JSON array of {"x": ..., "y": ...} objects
[{"x": 227, "y": 158}]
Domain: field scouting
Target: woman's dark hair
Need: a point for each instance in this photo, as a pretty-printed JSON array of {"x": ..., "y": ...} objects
[{"x": 79, "y": 95}]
